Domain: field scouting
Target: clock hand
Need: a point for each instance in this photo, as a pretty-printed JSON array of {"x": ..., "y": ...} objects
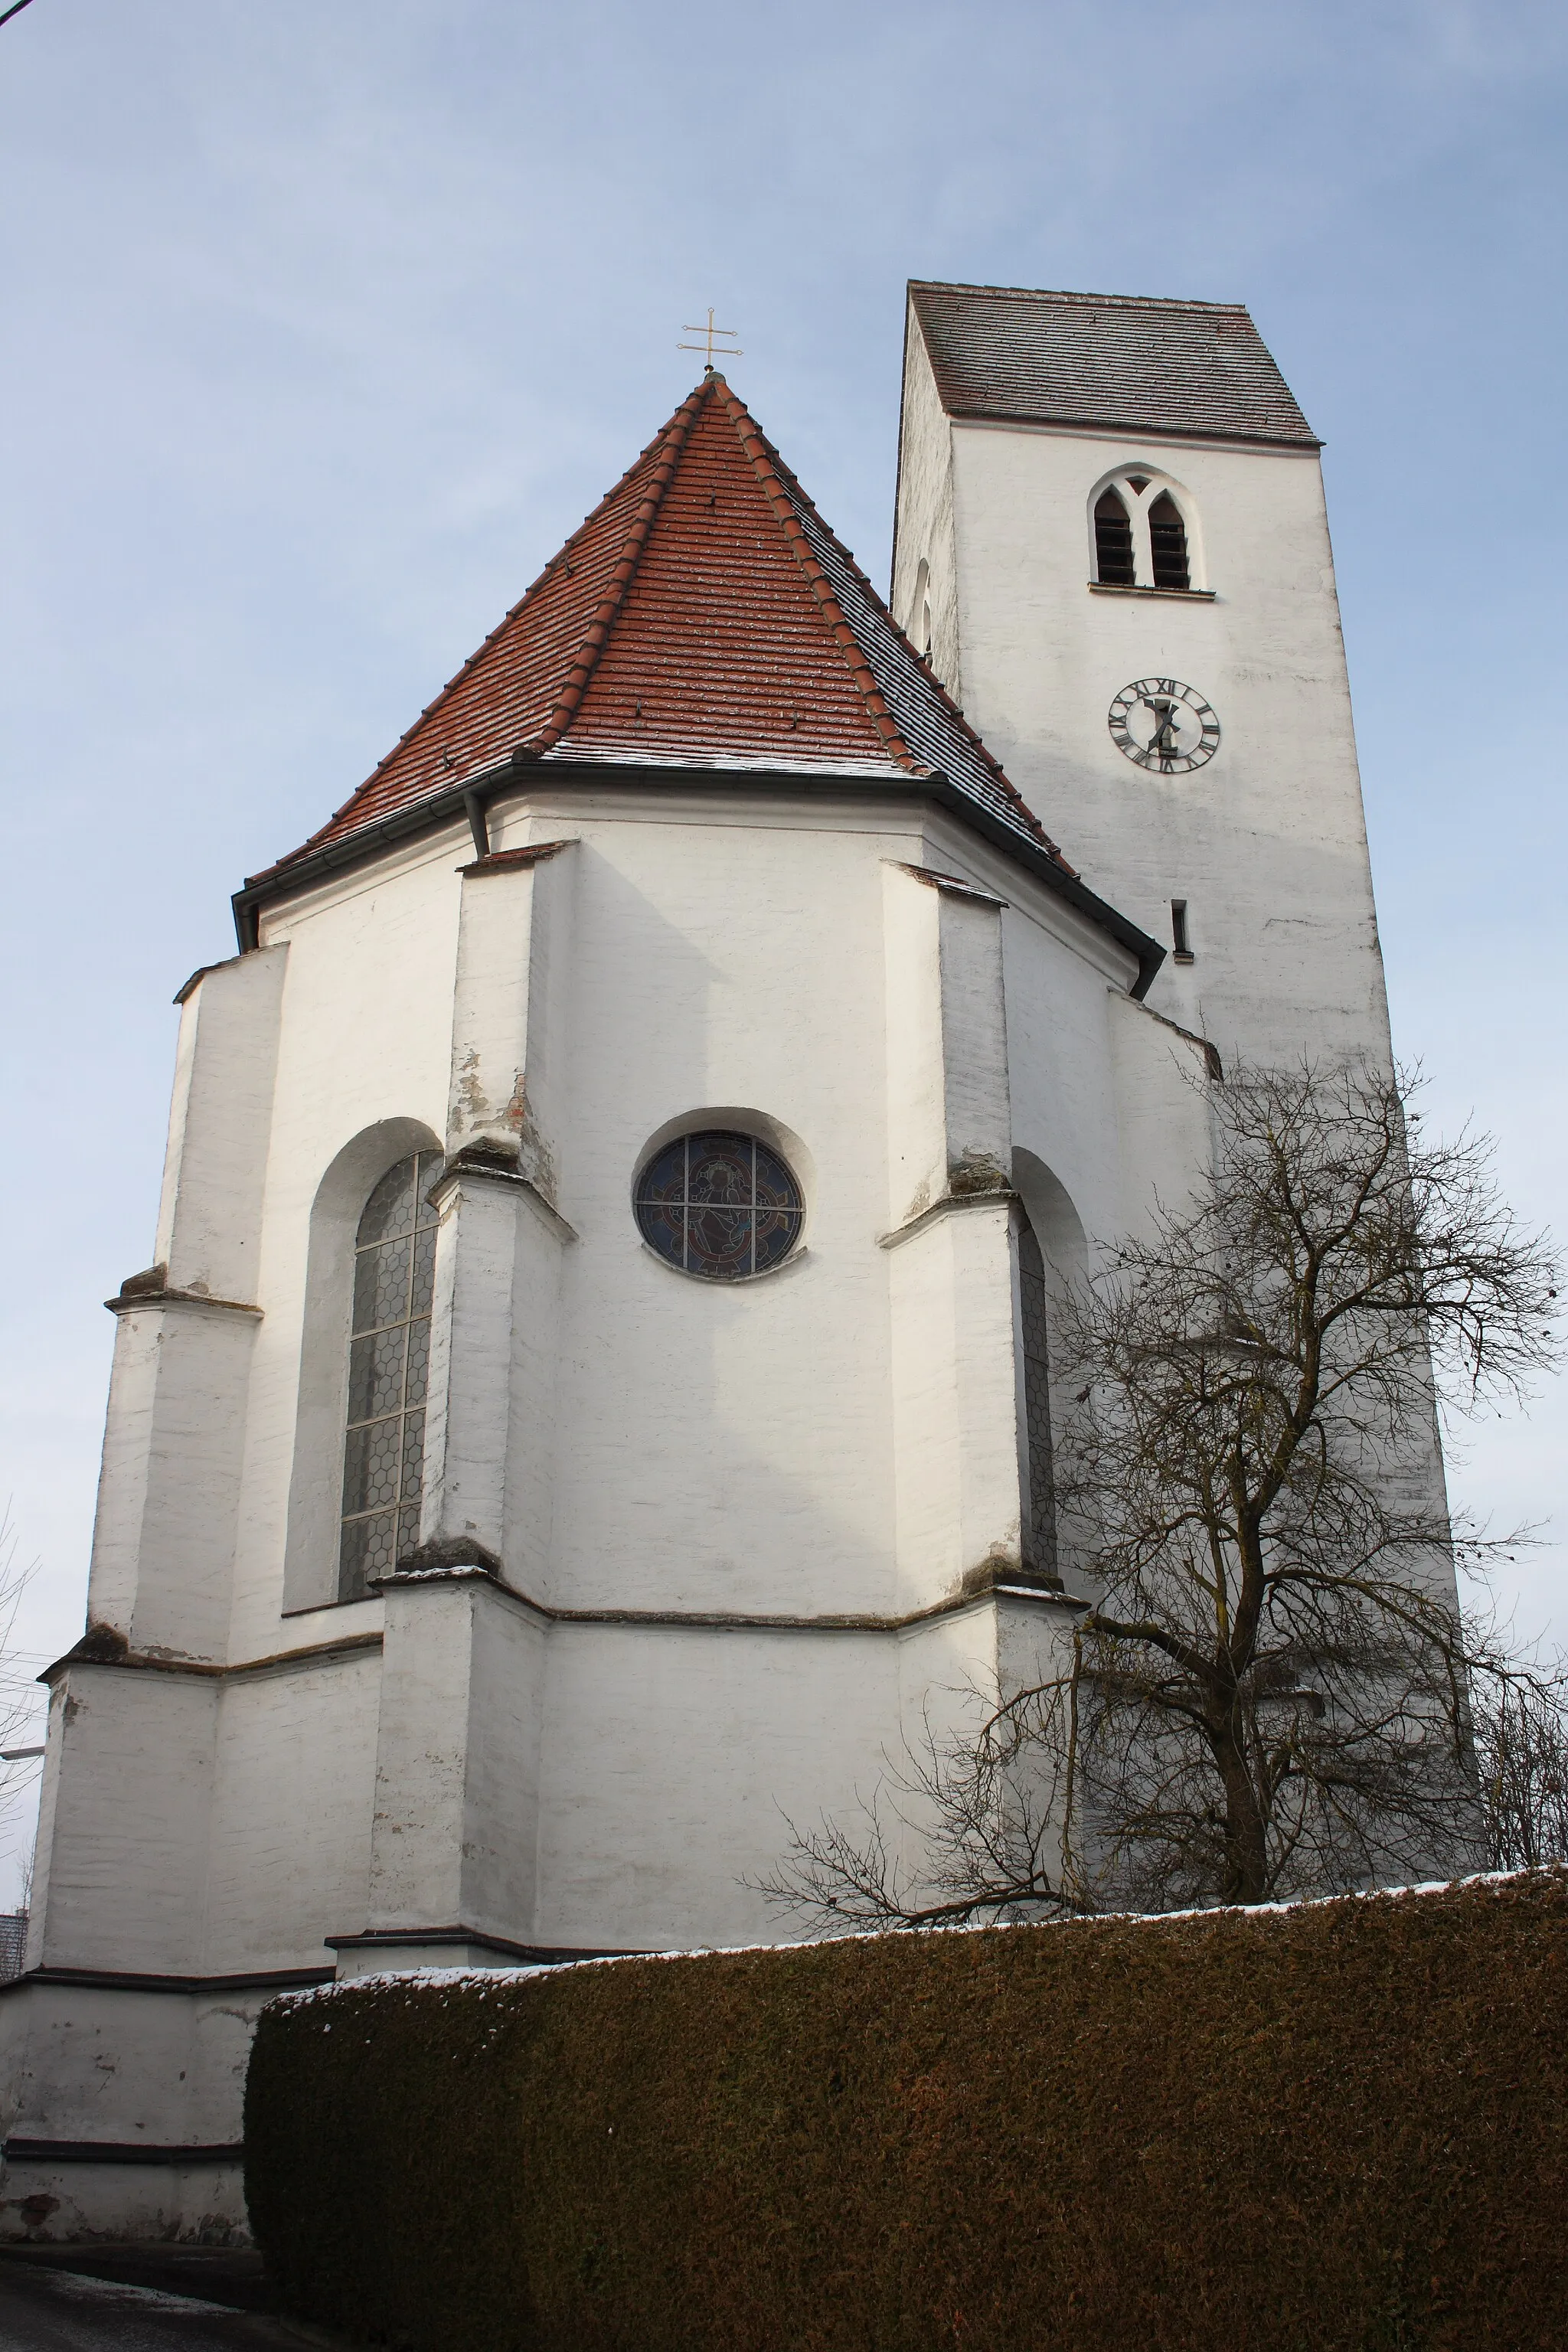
[{"x": 1164, "y": 743}]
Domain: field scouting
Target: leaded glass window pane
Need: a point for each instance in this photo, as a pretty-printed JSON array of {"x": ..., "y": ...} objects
[
  {"x": 722, "y": 1206},
  {"x": 389, "y": 1354}
]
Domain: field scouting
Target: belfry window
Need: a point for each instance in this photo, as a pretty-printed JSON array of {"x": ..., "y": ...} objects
[
  {"x": 1168, "y": 543},
  {"x": 1146, "y": 537},
  {"x": 389, "y": 1354},
  {"x": 722, "y": 1206},
  {"x": 1112, "y": 542}
]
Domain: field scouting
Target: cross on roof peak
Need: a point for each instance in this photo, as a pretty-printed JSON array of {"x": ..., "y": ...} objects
[{"x": 709, "y": 334}]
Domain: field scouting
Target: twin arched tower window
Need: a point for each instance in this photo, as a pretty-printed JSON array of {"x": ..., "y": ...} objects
[
  {"x": 1120, "y": 561},
  {"x": 389, "y": 1355}
]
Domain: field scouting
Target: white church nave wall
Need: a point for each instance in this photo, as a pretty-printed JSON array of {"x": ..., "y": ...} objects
[
  {"x": 836, "y": 1437},
  {"x": 81, "y": 2068},
  {"x": 293, "y": 1801},
  {"x": 725, "y": 1445},
  {"x": 670, "y": 1757},
  {"x": 121, "y": 1873}
]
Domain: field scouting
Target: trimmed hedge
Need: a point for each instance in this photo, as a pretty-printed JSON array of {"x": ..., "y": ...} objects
[{"x": 1341, "y": 2127}]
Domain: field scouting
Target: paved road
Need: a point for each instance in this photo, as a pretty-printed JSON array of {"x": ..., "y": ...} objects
[{"x": 48, "y": 2310}]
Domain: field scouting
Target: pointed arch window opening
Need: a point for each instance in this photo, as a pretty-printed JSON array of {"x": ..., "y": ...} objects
[
  {"x": 1142, "y": 537},
  {"x": 1114, "y": 564},
  {"x": 1168, "y": 543},
  {"x": 389, "y": 1356}
]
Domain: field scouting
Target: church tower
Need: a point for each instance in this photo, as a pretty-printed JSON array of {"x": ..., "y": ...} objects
[
  {"x": 590, "y": 1396},
  {"x": 1112, "y": 542}
]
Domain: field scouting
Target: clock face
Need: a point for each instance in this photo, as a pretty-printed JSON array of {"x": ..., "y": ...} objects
[{"x": 1162, "y": 724}]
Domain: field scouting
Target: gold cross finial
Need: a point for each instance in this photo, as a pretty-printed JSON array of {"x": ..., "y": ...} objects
[{"x": 706, "y": 345}]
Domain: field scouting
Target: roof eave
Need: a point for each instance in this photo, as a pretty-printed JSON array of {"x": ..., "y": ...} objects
[
  {"x": 1130, "y": 425},
  {"x": 455, "y": 804}
]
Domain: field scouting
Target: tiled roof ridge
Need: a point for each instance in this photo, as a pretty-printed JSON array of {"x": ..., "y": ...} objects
[
  {"x": 603, "y": 618},
  {"x": 765, "y": 463},
  {"x": 780, "y": 478},
  {"x": 533, "y": 691},
  {"x": 1068, "y": 294},
  {"x": 456, "y": 680}
]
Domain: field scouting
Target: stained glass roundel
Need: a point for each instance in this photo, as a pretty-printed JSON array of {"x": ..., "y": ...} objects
[{"x": 722, "y": 1206}]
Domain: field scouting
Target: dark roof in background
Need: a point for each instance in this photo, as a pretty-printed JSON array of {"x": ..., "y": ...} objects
[
  {"x": 703, "y": 616},
  {"x": 1122, "y": 360}
]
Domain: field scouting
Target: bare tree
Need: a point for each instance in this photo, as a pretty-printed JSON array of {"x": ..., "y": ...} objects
[
  {"x": 21, "y": 1704},
  {"x": 1521, "y": 1758},
  {"x": 1271, "y": 1692}
]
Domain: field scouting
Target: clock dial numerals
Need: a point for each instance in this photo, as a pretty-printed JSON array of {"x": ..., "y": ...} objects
[{"x": 1162, "y": 725}]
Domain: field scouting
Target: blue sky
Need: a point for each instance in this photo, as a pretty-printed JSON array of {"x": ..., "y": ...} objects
[{"x": 325, "y": 325}]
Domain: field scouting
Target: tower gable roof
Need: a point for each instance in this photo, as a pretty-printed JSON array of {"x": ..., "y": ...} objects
[
  {"x": 702, "y": 616},
  {"x": 1008, "y": 354}
]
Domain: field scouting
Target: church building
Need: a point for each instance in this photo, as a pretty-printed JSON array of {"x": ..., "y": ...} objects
[{"x": 591, "y": 1393}]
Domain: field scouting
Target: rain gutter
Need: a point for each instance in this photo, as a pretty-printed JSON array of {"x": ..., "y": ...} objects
[{"x": 470, "y": 801}]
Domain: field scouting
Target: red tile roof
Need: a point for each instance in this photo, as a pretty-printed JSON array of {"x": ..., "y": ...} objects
[{"x": 703, "y": 616}]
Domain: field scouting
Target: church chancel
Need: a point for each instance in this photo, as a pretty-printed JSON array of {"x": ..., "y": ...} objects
[{"x": 590, "y": 1396}]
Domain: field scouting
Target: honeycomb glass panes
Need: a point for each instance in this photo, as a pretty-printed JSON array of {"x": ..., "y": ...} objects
[
  {"x": 1168, "y": 543},
  {"x": 1112, "y": 542},
  {"x": 1040, "y": 1547},
  {"x": 718, "y": 1206},
  {"x": 389, "y": 1354}
]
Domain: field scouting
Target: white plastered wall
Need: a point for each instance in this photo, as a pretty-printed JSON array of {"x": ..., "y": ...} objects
[{"x": 642, "y": 1446}]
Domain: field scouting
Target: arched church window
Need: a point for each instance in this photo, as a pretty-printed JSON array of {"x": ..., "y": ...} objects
[
  {"x": 720, "y": 1205},
  {"x": 1040, "y": 1528},
  {"x": 1112, "y": 541},
  {"x": 1168, "y": 543},
  {"x": 389, "y": 1354}
]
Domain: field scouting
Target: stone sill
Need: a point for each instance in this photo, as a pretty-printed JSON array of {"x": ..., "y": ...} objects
[{"x": 1184, "y": 595}]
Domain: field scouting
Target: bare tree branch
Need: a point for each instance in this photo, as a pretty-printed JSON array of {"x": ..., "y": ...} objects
[{"x": 1275, "y": 1692}]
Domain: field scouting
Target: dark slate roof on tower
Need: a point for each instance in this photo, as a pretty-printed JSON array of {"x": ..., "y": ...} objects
[
  {"x": 1122, "y": 360},
  {"x": 703, "y": 616}
]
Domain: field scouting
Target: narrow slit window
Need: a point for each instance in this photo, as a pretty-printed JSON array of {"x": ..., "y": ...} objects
[
  {"x": 1182, "y": 945},
  {"x": 1040, "y": 1525},
  {"x": 1168, "y": 543},
  {"x": 383, "y": 1455},
  {"x": 919, "y": 615},
  {"x": 1112, "y": 542}
]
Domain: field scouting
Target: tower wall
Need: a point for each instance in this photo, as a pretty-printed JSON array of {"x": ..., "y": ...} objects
[{"x": 1266, "y": 843}]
